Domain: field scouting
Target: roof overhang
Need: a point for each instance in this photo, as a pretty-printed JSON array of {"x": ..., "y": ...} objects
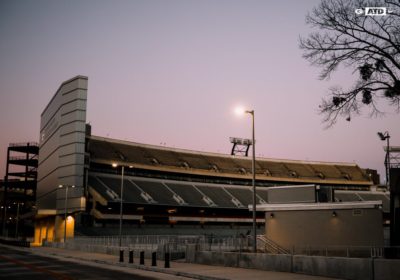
[
  {"x": 42, "y": 213},
  {"x": 318, "y": 206}
]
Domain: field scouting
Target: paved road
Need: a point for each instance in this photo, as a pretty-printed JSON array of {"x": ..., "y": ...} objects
[
  {"x": 16, "y": 264},
  {"x": 64, "y": 264}
]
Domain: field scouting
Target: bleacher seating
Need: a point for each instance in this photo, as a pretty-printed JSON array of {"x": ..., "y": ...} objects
[
  {"x": 364, "y": 196},
  {"x": 275, "y": 168},
  {"x": 218, "y": 195},
  {"x": 328, "y": 170},
  {"x": 213, "y": 164},
  {"x": 100, "y": 188},
  {"x": 347, "y": 196},
  {"x": 157, "y": 191},
  {"x": 262, "y": 193},
  {"x": 300, "y": 169},
  {"x": 377, "y": 196},
  {"x": 188, "y": 193},
  {"x": 245, "y": 196},
  {"x": 162, "y": 192}
]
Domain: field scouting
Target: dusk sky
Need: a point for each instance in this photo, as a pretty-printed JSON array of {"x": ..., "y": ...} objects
[{"x": 173, "y": 71}]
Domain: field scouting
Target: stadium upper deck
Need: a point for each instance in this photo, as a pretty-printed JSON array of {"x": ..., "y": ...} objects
[{"x": 213, "y": 166}]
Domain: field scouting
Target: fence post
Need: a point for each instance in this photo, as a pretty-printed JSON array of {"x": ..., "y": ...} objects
[
  {"x": 166, "y": 261},
  {"x": 154, "y": 259},
  {"x": 121, "y": 255},
  {"x": 142, "y": 257}
]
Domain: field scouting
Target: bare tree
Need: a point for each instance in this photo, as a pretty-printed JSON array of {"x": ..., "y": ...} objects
[{"x": 368, "y": 44}]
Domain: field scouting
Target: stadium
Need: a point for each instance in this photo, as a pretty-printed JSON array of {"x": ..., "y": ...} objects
[{"x": 165, "y": 190}]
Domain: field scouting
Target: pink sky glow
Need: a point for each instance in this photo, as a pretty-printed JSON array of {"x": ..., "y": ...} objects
[{"x": 173, "y": 71}]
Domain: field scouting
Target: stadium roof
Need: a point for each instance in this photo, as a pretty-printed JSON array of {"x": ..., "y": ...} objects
[
  {"x": 318, "y": 206},
  {"x": 165, "y": 159}
]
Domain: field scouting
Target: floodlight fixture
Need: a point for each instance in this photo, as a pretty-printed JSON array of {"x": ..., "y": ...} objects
[{"x": 383, "y": 136}]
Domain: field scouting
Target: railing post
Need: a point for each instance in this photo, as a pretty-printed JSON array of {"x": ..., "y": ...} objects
[
  {"x": 142, "y": 257},
  {"x": 130, "y": 256}
]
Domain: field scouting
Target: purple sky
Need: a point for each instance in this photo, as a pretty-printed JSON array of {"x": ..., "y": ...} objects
[{"x": 173, "y": 71}]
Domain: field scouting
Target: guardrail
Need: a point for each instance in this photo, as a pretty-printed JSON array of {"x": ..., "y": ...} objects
[
  {"x": 15, "y": 242},
  {"x": 22, "y": 144}
]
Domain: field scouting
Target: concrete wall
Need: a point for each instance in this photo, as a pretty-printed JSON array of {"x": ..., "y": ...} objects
[
  {"x": 296, "y": 229},
  {"x": 343, "y": 268},
  {"x": 386, "y": 269},
  {"x": 62, "y": 147},
  {"x": 292, "y": 194}
]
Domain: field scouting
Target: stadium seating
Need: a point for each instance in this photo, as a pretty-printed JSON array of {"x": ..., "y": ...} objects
[
  {"x": 212, "y": 164},
  {"x": 341, "y": 195},
  {"x": 162, "y": 192}
]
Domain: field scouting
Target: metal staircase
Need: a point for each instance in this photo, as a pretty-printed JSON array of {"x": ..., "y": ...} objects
[{"x": 268, "y": 246}]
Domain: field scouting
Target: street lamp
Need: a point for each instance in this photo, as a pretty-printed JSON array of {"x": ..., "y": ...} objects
[
  {"x": 383, "y": 137},
  {"x": 241, "y": 111},
  {"x": 121, "y": 253},
  {"x": 65, "y": 209}
]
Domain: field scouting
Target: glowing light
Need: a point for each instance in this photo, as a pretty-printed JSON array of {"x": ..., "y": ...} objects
[
  {"x": 114, "y": 164},
  {"x": 240, "y": 111}
]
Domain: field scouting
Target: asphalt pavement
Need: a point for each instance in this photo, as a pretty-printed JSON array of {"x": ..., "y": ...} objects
[{"x": 73, "y": 264}]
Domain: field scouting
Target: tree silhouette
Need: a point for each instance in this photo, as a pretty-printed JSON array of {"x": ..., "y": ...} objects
[{"x": 368, "y": 44}]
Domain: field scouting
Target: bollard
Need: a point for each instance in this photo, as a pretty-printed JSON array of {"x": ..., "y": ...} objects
[
  {"x": 154, "y": 259},
  {"x": 121, "y": 255},
  {"x": 130, "y": 256},
  {"x": 166, "y": 259},
  {"x": 142, "y": 257}
]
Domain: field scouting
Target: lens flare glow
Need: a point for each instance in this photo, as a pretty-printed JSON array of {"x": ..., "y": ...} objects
[{"x": 240, "y": 111}]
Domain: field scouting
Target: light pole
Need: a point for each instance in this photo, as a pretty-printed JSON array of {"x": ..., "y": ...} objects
[
  {"x": 121, "y": 254},
  {"x": 393, "y": 218},
  {"x": 65, "y": 210},
  {"x": 383, "y": 137},
  {"x": 16, "y": 223},
  {"x": 253, "y": 170}
]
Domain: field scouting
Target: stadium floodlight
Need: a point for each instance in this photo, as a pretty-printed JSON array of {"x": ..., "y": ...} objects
[
  {"x": 241, "y": 111},
  {"x": 65, "y": 209},
  {"x": 383, "y": 137}
]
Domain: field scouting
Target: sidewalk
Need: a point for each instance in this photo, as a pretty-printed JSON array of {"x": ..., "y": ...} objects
[{"x": 189, "y": 270}]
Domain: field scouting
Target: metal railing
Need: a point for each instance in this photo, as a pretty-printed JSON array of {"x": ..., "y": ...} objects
[
  {"x": 340, "y": 251},
  {"x": 161, "y": 243},
  {"x": 268, "y": 246},
  {"x": 23, "y": 144},
  {"x": 177, "y": 244}
]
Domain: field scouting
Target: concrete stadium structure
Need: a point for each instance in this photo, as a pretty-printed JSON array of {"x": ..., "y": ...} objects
[{"x": 166, "y": 190}]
